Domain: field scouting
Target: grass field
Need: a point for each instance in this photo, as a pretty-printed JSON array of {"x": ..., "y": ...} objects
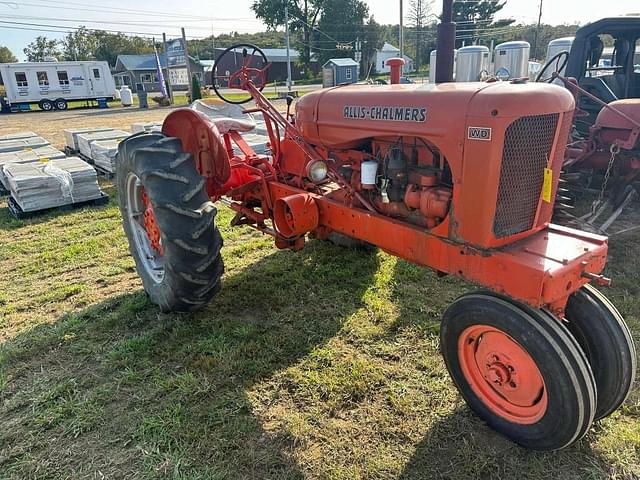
[{"x": 317, "y": 364}]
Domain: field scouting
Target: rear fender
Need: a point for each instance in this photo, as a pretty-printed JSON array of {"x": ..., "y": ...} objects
[{"x": 201, "y": 138}]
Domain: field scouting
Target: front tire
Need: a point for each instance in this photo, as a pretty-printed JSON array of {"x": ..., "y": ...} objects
[
  {"x": 606, "y": 341},
  {"x": 169, "y": 221},
  {"x": 519, "y": 370}
]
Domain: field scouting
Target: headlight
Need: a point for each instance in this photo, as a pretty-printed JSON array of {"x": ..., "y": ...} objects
[{"x": 317, "y": 171}]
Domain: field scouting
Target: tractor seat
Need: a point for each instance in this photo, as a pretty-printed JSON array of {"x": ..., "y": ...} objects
[
  {"x": 227, "y": 117},
  {"x": 227, "y": 124}
]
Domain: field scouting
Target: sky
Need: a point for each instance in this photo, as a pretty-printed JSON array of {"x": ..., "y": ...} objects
[{"x": 201, "y": 18}]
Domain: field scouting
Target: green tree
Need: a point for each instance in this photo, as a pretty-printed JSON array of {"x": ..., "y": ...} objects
[
  {"x": 340, "y": 26},
  {"x": 110, "y": 45},
  {"x": 303, "y": 16},
  {"x": 41, "y": 48},
  {"x": 419, "y": 13},
  {"x": 372, "y": 40},
  {"x": 7, "y": 56},
  {"x": 476, "y": 19},
  {"x": 81, "y": 44}
]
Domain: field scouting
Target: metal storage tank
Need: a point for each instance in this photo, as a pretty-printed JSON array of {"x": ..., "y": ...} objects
[
  {"x": 432, "y": 64},
  {"x": 558, "y": 45},
  {"x": 471, "y": 62},
  {"x": 511, "y": 60}
]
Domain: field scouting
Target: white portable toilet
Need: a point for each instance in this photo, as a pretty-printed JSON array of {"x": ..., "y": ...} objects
[
  {"x": 432, "y": 65},
  {"x": 511, "y": 60},
  {"x": 472, "y": 61},
  {"x": 555, "y": 47},
  {"x": 126, "y": 96}
]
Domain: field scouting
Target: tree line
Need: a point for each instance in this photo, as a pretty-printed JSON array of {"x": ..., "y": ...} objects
[{"x": 320, "y": 29}]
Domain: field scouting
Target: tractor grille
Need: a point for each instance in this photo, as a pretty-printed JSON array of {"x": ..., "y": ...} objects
[{"x": 527, "y": 147}]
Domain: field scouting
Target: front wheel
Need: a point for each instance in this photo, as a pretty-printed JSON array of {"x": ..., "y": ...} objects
[
  {"x": 519, "y": 370},
  {"x": 169, "y": 221},
  {"x": 603, "y": 335}
]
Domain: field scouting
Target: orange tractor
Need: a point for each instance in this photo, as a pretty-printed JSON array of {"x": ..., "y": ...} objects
[{"x": 460, "y": 178}]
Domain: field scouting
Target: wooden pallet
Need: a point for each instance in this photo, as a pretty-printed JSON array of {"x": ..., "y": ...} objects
[{"x": 19, "y": 214}]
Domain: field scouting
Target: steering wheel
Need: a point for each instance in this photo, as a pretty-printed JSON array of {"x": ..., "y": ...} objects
[
  {"x": 240, "y": 63},
  {"x": 560, "y": 59}
]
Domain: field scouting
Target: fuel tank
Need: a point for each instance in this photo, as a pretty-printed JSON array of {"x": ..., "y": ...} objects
[{"x": 342, "y": 117}]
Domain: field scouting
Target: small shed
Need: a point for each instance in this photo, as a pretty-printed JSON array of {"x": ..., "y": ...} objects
[{"x": 339, "y": 71}]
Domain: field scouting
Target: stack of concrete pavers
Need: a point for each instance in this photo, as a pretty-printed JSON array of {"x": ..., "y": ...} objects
[
  {"x": 146, "y": 127},
  {"x": 40, "y": 186},
  {"x": 104, "y": 154},
  {"x": 71, "y": 136},
  {"x": 86, "y": 139},
  {"x": 35, "y": 155}
]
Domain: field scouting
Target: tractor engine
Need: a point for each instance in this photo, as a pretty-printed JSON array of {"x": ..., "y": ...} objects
[{"x": 466, "y": 161}]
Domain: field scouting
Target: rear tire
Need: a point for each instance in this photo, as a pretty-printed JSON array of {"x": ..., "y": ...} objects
[
  {"x": 61, "y": 104},
  {"x": 185, "y": 273},
  {"x": 519, "y": 370},
  {"x": 46, "y": 105},
  {"x": 606, "y": 341}
]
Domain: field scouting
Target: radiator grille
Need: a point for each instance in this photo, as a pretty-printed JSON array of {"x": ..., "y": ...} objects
[{"x": 527, "y": 147}]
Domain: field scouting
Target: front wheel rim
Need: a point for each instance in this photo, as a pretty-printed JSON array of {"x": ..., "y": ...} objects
[
  {"x": 144, "y": 229},
  {"x": 502, "y": 374}
]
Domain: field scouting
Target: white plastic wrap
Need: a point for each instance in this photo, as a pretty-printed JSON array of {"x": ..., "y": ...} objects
[{"x": 63, "y": 177}]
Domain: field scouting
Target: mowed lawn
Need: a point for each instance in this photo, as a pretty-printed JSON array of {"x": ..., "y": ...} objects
[{"x": 318, "y": 364}]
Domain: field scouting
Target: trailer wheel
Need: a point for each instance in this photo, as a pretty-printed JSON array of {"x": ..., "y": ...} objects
[
  {"x": 61, "y": 104},
  {"x": 603, "y": 335},
  {"x": 520, "y": 370},
  {"x": 46, "y": 105},
  {"x": 169, "y": 221}
]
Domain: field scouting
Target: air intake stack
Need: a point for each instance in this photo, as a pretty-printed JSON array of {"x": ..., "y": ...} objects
[{"x": 446, "y": 44}]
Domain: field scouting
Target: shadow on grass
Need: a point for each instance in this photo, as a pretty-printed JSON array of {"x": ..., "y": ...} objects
[
  {"x": 461, "y": 446},
  {"x": 123, "y": 390}
]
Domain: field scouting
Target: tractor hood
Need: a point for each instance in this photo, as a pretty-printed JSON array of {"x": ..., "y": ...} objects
[{"x": 344, "y": 117}]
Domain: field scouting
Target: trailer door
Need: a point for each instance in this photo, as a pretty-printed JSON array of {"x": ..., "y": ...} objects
[{"x": 97, "y": 80}]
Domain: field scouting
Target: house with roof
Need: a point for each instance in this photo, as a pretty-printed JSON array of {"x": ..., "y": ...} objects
[
  {"x": 340, "y": 71},
  {"x": 133, "y": 69},
  {"x": 277, "y": 57},
  {"x": 389, "y": 51}
]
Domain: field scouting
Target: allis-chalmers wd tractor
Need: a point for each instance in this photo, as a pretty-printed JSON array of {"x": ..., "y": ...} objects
[{"x": 457, "y": 177}]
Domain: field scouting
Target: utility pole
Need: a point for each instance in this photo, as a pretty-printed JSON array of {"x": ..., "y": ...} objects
[
  {"x": 535, "y": 40},
  {"x": 286, "y": 28},
  {"x": 186, "y": 58},
  {"x": 401, "y": 32},
  {"x": 168, "y": 77}
]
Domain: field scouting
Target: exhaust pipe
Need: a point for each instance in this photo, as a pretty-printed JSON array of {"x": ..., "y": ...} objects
[{"x": 446, "y": 44}]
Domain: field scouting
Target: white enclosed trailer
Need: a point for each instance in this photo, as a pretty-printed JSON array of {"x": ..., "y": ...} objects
[{"x": 52, "y": 85}]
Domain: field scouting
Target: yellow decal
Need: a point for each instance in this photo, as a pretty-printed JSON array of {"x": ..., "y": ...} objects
[
  {"x": 44, "y": 160},
  {"x": 27, "y": 149},
  {"x": 547, "y": 186}
]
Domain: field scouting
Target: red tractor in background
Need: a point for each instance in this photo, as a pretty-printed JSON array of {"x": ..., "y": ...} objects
[
  {"x": 460, "y": 178},
  {"x": 604, "y": 151}
]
